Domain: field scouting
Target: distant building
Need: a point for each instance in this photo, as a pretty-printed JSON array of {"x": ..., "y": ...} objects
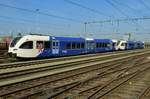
[{"x": 5, "y": 41}]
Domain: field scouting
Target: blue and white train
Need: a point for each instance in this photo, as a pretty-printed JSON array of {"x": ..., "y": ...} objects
[{"x": 40, "y": 46}]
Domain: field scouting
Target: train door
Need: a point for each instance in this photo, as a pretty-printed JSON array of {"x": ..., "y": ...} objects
[
  {"x": 55, "y": 47},
  {"x": 90, "y": 46}
]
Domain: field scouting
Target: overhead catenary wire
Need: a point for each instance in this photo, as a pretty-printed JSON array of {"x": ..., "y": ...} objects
[
  {"x": 127, "y": 6},
  {"x": 87, "y": 8},
  {"x": 125, "y": 19},
  {"x": 113, "y": 5},
  {"x": 120, "y": 20},
  {"x": 29, "y": 29},
  {"x": 119, "y": 10},
  {"x": 22, "y": 23},
  {"x": 144, "y": 4},
  {"x": 41, "y": 13},
  {"x": 31, "y": 21}
]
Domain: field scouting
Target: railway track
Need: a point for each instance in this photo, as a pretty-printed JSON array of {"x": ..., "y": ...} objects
[
  {"x": 7, "y": 64},
  {"x": 145, "y": 94},
  {"x": 65, "y": 59},
  {"x": 4, "y": 73},
  {"x": 100, "y": 85},
  {"x": 29, "y": 84},
  {"x": 4, "y": 58},
  {"x": 130, "y": 88}
]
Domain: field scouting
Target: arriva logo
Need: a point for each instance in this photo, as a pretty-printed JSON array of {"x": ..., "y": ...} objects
[{"x": 64, "y": 51}]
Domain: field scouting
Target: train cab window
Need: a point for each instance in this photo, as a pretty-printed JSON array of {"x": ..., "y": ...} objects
[
  {"x": 68, "y": 46},
  {"x": 39, "y": 44},
  {"x": 47, "y": 44},
  {"x": 27, "y": 45},
  {"x": 114, "y": 44},
  {"x": 82, "y": 45},
  {"x": 14, "y": 41},
  {"x": 123, "y": 44},
  {"x": 118, "y": 42}
]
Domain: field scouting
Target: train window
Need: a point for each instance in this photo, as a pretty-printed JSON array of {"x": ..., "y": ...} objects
[
  {"x": 39, "y": 44},
  {"x": 73, "y": 45},
  {"x": 97, "y": 45},
  {"x": 108, "y": 44},
  {"x": 47, "y": 44},
  {"x": 105, "y": 45},
  {"x": 82, "y": 45},
  {"x": 114, "y": 44},
  {"x": 54, "y": 44},
  {"x": 78, "y": 45},
  {"x": 118, "y": 42},
  {"x": 27, "y": 45},
  {"x": 68, "y": 46},
  {"x": 14, "y": 41},
  {"x": 101, "y": 45},
  {"x": 93, "y": 45},
  {"x": 123, "y": 44}
]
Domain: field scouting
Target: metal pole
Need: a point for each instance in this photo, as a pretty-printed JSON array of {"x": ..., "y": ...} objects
[
  {"x": 129, "y": 36},
  {"x": 37, "y": 28},
  {"x": 85, "y": 28}
]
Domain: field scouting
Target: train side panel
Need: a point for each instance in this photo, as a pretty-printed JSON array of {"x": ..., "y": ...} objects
[
  {"x": 63, "y": 46},
  {"x": 103, "y": 45}
]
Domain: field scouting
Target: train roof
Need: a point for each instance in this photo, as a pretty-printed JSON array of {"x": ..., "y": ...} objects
[
  {"x": 131, "y": 41},
  {"x": 89, "y": 39},
  {"x": 68, "y": 39},
  {"x": 35, "y": 37},
  {"x": 114, "y": 40},
  {"x": 103, "y": 40}
]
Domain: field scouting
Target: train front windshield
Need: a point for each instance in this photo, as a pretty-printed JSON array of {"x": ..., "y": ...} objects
[{"x": 14, "y": 41}]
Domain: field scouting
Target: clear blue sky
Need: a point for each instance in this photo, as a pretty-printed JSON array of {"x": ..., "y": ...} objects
[{"x": 67, "y": 17}]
